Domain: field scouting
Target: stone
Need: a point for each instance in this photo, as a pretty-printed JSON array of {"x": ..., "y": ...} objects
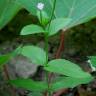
[{"x": 22, "y": 67}]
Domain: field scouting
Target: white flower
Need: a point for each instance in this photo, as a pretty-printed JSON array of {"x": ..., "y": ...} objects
[
  {"x": 40, "y": 6},
  {"x": 92, "y": 67},
  {"x": 89, "y": 61}
]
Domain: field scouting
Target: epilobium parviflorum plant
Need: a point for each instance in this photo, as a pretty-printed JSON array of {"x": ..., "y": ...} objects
[{"x": 53, "y": 16}]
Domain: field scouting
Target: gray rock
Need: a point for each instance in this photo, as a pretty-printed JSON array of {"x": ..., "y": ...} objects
[{"x": 22, "y": 67}]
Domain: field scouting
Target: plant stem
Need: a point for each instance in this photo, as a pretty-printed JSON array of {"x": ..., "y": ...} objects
[
  {"x": 46, "y": 49},
  {"x": 46, "y": 64},
  {"x": 46, "y": 46},
  {"x": 61, "y": 46},
  {"x": 52, "y": 14},
  {"x": 41, "y": 17}
]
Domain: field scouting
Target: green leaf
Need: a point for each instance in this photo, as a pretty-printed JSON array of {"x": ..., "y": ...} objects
[
  {"x": 32, "y": 29},
  {"x": 29, "y": 84},
  {"x": 57, "y": 24},
  {"x": 4, "y": 59},
  {"x": 35, "y": 54},
  {"x": 93, "y": 60},
  {"x": 8, "y": 9},
  {"x": 65, "y": 9},
  {"x": 72, "y": 9},
  {"x": 67, "y": 68},
  {"x": 35, "y": 94},
  {"x": 70, "y": 82}
]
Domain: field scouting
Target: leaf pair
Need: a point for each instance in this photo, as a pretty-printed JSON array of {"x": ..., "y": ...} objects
[
  {"x": 65, "y": 82},
  {"x": 55, "y": 26},
  {"x": 65, "y": 67}
]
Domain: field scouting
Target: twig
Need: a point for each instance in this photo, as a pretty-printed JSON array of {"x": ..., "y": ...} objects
[
  {"x": 60, "y": 92},
  {"x": 58, "y": 55},
  {"x": 61, "y": 46},
  {"x": 7, "y": 77}
]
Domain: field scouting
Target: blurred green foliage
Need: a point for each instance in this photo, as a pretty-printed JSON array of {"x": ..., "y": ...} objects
[
  {"x": 83, "y": 38},
  {"x": 12, "y": 29}
]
